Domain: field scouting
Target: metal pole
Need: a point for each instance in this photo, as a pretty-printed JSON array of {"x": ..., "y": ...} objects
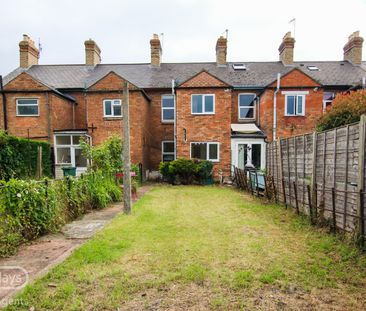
[{"x": 126, "y": 153}]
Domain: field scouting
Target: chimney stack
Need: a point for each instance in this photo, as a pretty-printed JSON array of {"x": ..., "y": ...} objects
[
  {"x": 156, "y": 51},
  {"x": 352, "y": 51},
  {"x": 286, "y": 49},
  {"x": 92, "y": 53},
  {"x": 221, "y": 51},
  {"x": 28, "y": 53}
]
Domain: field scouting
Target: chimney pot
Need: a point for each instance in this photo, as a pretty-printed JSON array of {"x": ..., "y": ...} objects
[
  {"x": 221, "y": 51},
  {"x": 286, "y": 49},
  {"x": 156, "y": 51},
  {"x": 352, "y": 51},
  {"x": 28, "y": 52},
  {"x": 92, "y": 53}
]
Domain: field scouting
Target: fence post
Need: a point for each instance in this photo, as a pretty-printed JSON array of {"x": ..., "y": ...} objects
[
  {"x": 362, "y": 221},
  {"x": 361, "y": 177},
  {"x": 313, "y": 173},
  {"x": 334, "y": 211},
  {"x": 296, "y": 202},
  {"x": 39, "y": 163},
  {"x": 280, "y": 171},
  {"x": 310, "y": 207}
]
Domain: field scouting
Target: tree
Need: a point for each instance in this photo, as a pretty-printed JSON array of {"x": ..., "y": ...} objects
[{"x": 345, "y": 109}]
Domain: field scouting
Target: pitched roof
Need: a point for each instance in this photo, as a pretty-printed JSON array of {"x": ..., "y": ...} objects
[{"x": 257, "y": 74}]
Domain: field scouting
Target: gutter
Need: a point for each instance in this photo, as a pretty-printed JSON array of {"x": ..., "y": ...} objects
[
  {"x": 4, "y": 104},
  {"x": 274, "y": 130}
]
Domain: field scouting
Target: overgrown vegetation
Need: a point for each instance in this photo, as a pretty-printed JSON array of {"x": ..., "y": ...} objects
[
  {"x": 18, "y": 157},
  {"x": 186, "y": 171},
  {"x": 198, "y": 248},
  {"x": 106, "y": 157},
  {"x": 30, "y": 208},
  {"x": 345, "y": 109}
]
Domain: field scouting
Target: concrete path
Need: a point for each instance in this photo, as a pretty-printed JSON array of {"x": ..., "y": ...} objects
[{"x": 44, "y": 253}]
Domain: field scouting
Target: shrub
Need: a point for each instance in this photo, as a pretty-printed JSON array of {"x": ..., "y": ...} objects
[
  {"x": 186, "y": 171},
  {"x": 345, "y": 109},
  {"x": 106, "y": 157},
  {"x": 30, "y": 208},
  {"x": 18, "y": 157}
]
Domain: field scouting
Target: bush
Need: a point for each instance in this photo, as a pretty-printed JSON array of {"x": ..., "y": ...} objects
[
  {"x": 345, "y": 109},
  {"x": 18, "y": 157},
  {"x": 31, "y": 208},
  {"x": 106, "y": 157},
  {"x": 186, "y": 171}
]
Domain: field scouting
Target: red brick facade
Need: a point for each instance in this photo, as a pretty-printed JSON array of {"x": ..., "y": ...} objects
[{"x": 147, "y": 129}]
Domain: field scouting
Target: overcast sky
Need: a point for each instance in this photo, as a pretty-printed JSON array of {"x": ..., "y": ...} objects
[{"x": 123, "y": 29}]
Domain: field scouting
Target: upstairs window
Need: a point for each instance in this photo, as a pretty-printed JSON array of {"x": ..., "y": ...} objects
[
  {"x": 167, "y": 151},
  {"x": 203, "y": 104},
  {"x": 167, "y": 108},
  {"x": 27, "y": 107},
  {"x": 112, "y": 108},
  {"x": 327, "y": 99},
  {"x": 247, "y": 106},
  {"x": 205, "y": 151},
  {"x": 295, "y": 102}
]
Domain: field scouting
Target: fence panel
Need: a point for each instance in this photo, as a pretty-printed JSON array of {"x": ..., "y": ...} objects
[{"x": 332, "y": 165}]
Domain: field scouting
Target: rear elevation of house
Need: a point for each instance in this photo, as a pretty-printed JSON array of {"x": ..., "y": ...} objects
[{"x": 219, "y": 111}]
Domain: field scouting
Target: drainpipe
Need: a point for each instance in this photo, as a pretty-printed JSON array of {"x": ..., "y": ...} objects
[
  {"x": 274, "y": 130},
  {"x": 48, "y": 118},
  {"x": 4, "y": 104},
  {"x": 175, "y": 120}
]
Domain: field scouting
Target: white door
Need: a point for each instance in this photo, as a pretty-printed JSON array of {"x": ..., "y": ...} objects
[{"x": 248, "y": 153}]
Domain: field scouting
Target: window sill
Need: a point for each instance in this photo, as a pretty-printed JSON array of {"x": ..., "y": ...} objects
[
  {"x": 203, "y": 114},
  {"x": 294, "y": 115},
  {"x": 28, "y": 116},
  {"x": 167, "y": 122},
  {"x": 112, "y": 118},
  {"x": 247, "y": 120}
]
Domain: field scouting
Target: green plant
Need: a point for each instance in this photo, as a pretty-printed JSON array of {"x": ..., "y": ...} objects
[
  {"x": 345, "y": 109},
  {"x": 186, "y": 171},
  {"x": 18, "y": 157},
  {"x": 106, "y": 157}
]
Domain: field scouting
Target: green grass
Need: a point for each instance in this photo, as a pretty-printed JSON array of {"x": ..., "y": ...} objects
[{"x": 193, "y": 247}]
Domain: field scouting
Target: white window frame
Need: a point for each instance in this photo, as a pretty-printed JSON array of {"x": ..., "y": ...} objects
[
  {"x": 208, "y": 143},
  {"x": 72, "y": 147},
  {"x": 297, "y": 94},
  {"x": 112, "y": 110},
  {"x": 167, "y": 153},
  {"x": 203, "y": 104},
  {"x": 254, "y": 106},
  {"x": 27, "y": 115},
  {"x": 325, "y": 102},
  {"x": 167, "y": 108}
]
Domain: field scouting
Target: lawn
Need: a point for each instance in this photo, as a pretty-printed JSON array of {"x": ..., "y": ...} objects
[{"x": 204, "y": 248}]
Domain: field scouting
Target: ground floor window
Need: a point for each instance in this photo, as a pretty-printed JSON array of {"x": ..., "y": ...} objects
[
  {"x": 68, "y": 150},
  {"x": 205, "y": 151},
  {"x": 167, "y": 150}
]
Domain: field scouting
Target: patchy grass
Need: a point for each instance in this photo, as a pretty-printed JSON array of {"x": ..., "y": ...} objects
[{"x": 187, "y": 247}]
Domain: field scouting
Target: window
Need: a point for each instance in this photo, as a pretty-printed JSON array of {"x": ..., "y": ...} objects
[
  {"x": 27, "y": 107},
  {"x": 167, "y": 151},
  {"x": 68, "y": 151},
  {"x": 167, "y": 108},
  {"x": 203, "y": 104},
  {"x": 247, "y": 106},
  {"x": 205, "y": 151},
  {"x": 239, "y": 66},
  {"x": 313, "y": 68},
  {"x": 112, "y": 108},
  {"x": 295, "y": 102},
  {"x": 327, "y": 99}
]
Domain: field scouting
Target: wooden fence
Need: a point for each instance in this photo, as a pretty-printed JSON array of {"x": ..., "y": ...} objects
[{"x": 323, "y": 175}]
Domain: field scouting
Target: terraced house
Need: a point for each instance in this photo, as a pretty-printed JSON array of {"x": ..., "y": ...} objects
[{"x": 221, "y": 111}]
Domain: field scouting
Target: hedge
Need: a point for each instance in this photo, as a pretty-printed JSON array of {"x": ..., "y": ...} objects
[
  {"x": 30, "y": 208},
  {"x": 18, "y": 157}
]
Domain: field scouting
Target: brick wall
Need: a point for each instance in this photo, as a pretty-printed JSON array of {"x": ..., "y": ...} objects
[
  {"x": 291, "y": 125},
  {"x": 205, "y": 128}
]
